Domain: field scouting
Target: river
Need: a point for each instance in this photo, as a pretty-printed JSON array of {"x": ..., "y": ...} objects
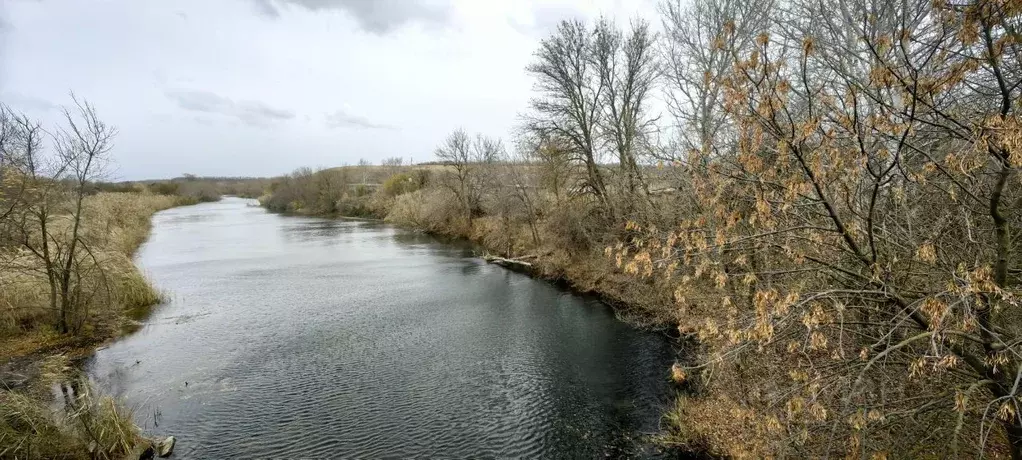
[{"x": 291, "y": 337}]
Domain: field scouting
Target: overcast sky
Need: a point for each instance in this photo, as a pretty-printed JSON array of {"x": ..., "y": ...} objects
[{"x": 261, "y": 87}]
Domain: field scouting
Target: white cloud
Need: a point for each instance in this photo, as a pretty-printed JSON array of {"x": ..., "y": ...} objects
[
  {"x": 251, "y": 112},
  {"x": 376, "y": 16},
  {"x": 343, "y": 119}
]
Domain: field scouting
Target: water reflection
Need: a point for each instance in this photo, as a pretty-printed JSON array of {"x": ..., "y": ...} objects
[{"x": 332, "y": 338}]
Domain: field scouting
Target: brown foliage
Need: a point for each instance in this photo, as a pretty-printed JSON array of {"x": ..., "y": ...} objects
[{"x": 859, "y": 231}]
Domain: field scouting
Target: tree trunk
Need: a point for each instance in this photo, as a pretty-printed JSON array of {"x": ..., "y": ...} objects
[
  {"x": 1003, "y": 239},
  {"x": 51, "y": 274},
  {"x": 65, "y": 279}
]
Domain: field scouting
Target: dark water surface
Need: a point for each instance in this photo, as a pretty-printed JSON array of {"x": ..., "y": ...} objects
[{"x": 296, "y": 337}]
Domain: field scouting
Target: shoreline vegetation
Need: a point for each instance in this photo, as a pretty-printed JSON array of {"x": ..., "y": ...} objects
[
  {"x": 834, "y": 219},
  {"x": 68, "y": 284},
  {"x": 38, "y": 358}
]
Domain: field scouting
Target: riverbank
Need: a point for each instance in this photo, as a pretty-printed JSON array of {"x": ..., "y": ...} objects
[{"x": 36, "y": 357}]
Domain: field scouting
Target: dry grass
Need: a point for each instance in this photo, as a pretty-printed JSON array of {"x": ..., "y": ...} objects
[
  {"x": 22, "y": 303},
  {"x": 120, "y": 222},
  {"x": 137, "y": 294},
  {"x": 88, "y": 427},
  {"x": 115, "y": 225},
  {"x": 433, "y": 210}
]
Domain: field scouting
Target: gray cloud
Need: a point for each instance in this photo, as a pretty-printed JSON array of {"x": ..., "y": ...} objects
[
  {"x": 375, "y": 16},
  {"x": 546, "y": 18},
  {"x": 25, "y": 102},
  {"x": 251, "y": 112},
  {"x": 342, "y": 119},
  {"x": 266, "y": 7}
]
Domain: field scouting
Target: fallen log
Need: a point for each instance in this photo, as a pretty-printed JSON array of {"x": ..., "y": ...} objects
[{"x": 513, "y": 264}]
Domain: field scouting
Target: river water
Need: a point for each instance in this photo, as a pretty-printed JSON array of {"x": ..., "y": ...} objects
[{"x": 290, "y": 337}]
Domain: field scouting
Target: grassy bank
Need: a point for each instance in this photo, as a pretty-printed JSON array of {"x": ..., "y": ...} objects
[
  {"x": 36, "y": 356},
  {"x": 115, "y": 225}
]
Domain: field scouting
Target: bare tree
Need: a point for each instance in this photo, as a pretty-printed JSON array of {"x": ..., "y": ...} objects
[
  {"x": 9, "y": 191},
  {"x": 628, "y": 70},
  {"x": 364, "y": 167},
  {"x": 456, "y": 153},
  {"x": 83, "y": 146},
  {"x": 569, "y": 104},
  {"x": 331, "y": 186},
  {"x": 7, "y": 132},
  {"x": 47, "y": 228},
  {"x": 557, "y": 168},
  {"x": 697, "y": 58},
  {"x": 393, "y": 165},
  {"x": 470, "y": 161},
  {"x": 522, "y": 180}
]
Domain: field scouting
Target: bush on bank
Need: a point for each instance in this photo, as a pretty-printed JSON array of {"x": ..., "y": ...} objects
[{"x": 87, "y": 426}]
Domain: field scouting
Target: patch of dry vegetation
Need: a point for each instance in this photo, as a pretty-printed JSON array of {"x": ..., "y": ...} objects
[
  {"x": 86, "y": 426},
  {"x": 114, "y": 225}
]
